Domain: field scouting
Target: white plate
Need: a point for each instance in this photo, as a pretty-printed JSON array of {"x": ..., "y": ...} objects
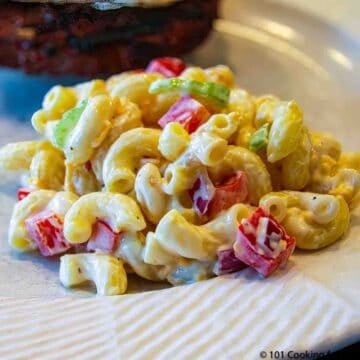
[{"x": 313, "y": 305}]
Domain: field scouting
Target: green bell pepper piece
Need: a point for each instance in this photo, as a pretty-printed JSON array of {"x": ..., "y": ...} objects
[
  {"x": 259, "y": 138},
  {"x": 67, "y": 123},
  {"x": 211, "y": 91}
]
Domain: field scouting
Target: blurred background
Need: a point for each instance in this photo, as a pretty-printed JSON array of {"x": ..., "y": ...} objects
[{"x": 21, "y": 94}]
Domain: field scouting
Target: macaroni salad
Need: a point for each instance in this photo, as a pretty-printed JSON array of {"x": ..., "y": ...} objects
[{"x": 176, "y": 174}]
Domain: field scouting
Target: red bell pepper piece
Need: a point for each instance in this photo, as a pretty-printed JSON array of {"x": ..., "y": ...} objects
[
  {"x": 103, "y": 238},
  {"x": 211, "y": 200},
  {"x": 228, "y": 262},
  {"x": 22, "y": 193},
  {"x": 188, "y": 112},
  {"x": 233, "y": 191},
  {"x": 167, "y": 66},
  {"x": 202, "y": 193},
  {"x": 88, "y": 166},
  {"x": 262, "y": 243},
  {"x": 46, "y": 230}
]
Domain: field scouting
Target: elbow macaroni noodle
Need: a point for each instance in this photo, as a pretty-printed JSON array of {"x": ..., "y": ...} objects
[
  {"x": 149, "y": 193},
  {"x": 118, "y": 210},
  {"x": 173, "y": 141},
  {"x": 90, "y": 130},
  {"x": 131, "y": 252},
  {"x": 124, "y": 156},
  {"x": 105, "y": 271},
  {"x": 181, "y": 238},
  {"x": 222, "y": 125},
  {"x": 118, "y": 168},
  {"x": 285, "y": 132},
  {"x": 80, "y": 179},
  {"x": 36, "y": 201},
  {"x": 315, "y": 220},
  {"x": 295, "y": 168},
  {"x": 204, "y": 149}
]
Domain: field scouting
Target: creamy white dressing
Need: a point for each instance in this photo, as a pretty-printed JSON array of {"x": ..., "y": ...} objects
[
  {"x": 61, "y": 202},
  {"x": 206, "y": 190}
]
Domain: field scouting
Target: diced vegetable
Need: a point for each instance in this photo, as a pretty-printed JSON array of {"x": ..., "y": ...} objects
[
  {"x": 202, "y": 193},
  {"x": 210, "y": 200},
  {"x": 188, "y": 112},
  {"x": 67, "y": 123},
  {"x": 103, "y": 238},
  {"x": 22, "y": 193},
  {"x": 228, "y": 262},
  {"x": 88, "y": 166},
  {"x": 213, "y": 92},
  {"x": 262, "y": 243},
  {"x": 167, "y": 66},
  {"x": 233, "y": 191},
  {"x": 259, "y": 138},
  {"x": 46, "y": 230}
]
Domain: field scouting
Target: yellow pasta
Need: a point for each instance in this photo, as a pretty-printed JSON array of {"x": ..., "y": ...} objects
[
  {"x": 90, "y": 131},
  {"x": 179, "y": 237},
  {"x": 90, "y": 89},
  {"x": 238, "y": 158},
  {"x": 295, "y": 168},
  {"x": 36, "y": 201},
  {"x": 127, "y": 116},
  {"x": 265, "y": 106},
  {"x": 350, "y": 160},
  {"x": 241, "y": 102},
  {"x": 220, "y": 74},
  {"x": 333, "y": 172},
  {"x": 80, "y": 179},
  {"x": 18, "y": 156},
  {"x": 168, "y": 205},
  {"x": 135, "y": 87},
  {"x": 44, "y": 163},
  {"x": 325, "y": 144},
  {"x": 225, "y": 225},
  {"x": 40, "y": 119},
  {"x": 149, "y": 193},
  {"x": 194, "y": 73},
  {"x": 58, "y": 100},
  {"x": 131, "y": 252},
  {"x": 106, "y": 272},
  {"x": 285, "y": 131},
  {"x": 119, "y": 211},
  {"x": 204, "y": 149},
  {"x": 155, "y": 254},
  {"x": 314, "y": 220},
  {"x": 173, "y": 141},
  {"x": 47, "y": 170},
  {"x": 243, "y": 135},
  {"x": 182, "y": 203},
  {"x": 222, "y": 125},
  {"x": 123, "y": 159}
]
